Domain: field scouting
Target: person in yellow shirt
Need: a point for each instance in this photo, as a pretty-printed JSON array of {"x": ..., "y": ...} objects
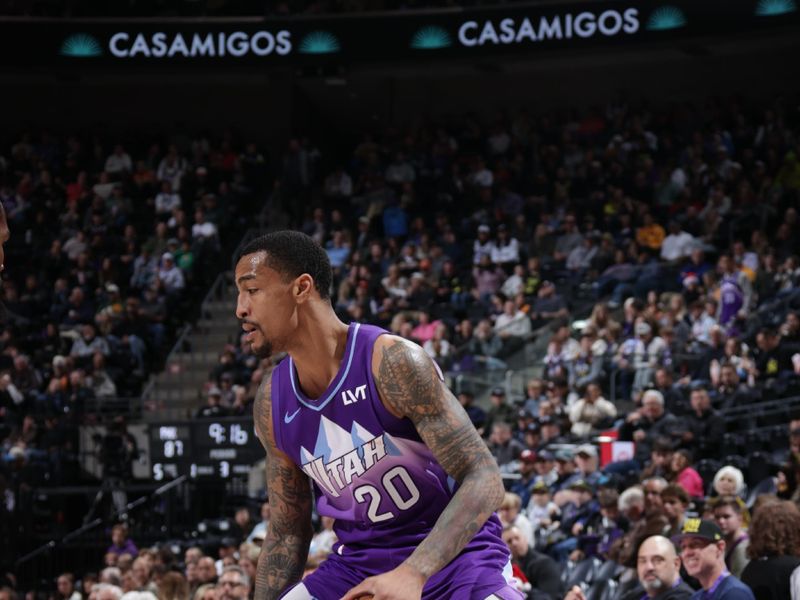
[{"x": 650, "y": 234}]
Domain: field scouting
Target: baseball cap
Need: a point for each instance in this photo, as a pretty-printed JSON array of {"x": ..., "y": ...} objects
[
  {"x": 484, "y": 229},
  {"x": 581, "y": 485},
  {"x": 540, "y": 487},
  {"x": 642, "y": 328},
  {"x": 167, "y": 256},
  {"x": 564, "y": 455},
  {"x": 528, "y": 456},
  {"x": 546, "y": 420},
  {"x": 533, "y": 427},
  {"x": 699, "y": 528},
  {"x": 214, "y": 391},
  {"x": 524, "y": 414},
  {"x": 543, "y": 455},
  {"x": 587, "y": 449},
  {"x": 498, "y": 391}
]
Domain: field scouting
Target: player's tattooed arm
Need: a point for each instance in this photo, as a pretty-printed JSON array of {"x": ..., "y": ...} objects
[
  {"x": 411, "y": 386},
  {"x": 285, "y": 548}
]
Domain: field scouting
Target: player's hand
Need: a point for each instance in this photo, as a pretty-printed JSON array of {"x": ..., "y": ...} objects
[{"x": 402, "y": 583}]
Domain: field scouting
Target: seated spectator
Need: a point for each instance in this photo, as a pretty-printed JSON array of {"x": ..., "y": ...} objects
[
  {"x": 704, "y": 427},
  {"x": 213, "y": 409},
  {"x": 548, "y": 305},
  {"x": 166, "y": 200},
  {"x": 678, "y": 245},
  {"x": 89, "y": 343},
  {"x": 660, "y": 460},
  {"x": 503, "y": 446},
  {"x": 527, "y": 476},
  {"x": 534, "y": 396},
  {"x": 579, "y": 260},
  {"x": 652, "y": 488},
  {"x": 685, "y": 476},
  {"x": 587, "y": 463},
  {"x": 505, "y": 252},
  {"x": 475, "y": 413},
  {"x": 540, "y": 570},
  {"x": 645, "y": 425},
  {"x": 658, "y": 570},
  {"x": 675, "y": 500},
  {"x": 702, "y": 549},
  {"x": 587, "y": 365},
  {"x": 510, "y": 513},
  {"x": 773, "y": 359},
  {"x": 233, "y": 584},
  {"x": 647, "y": 354},
  {"x": 575, "y": 514},
  {"x": 486, "y": 346},
  {"x": 483, "y": 246},
  {"x": 120, "y": 542},
  {"x": 487, "y": 279},
  {"x": 512, "y": 323},
  {"x": 541, "y": 511},
  {"x": 631, "y": 504},
  {"x": 650, "y": 235},
  {"x": 170, "y": 278},
  {"x": 729, "y": 481},
  {"x": 774, "y": 550},
  {"x": 591, "y": 412},
  {"x": 569, "y": 239},
  {"x": 65, "y": 586},
  {"x": 731, "y": 514},
  {"x": 730, "y": 391}
]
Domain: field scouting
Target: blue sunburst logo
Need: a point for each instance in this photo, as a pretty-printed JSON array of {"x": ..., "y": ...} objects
[
  {"x": 81, "y": 45},
  {"x": 666, "y": 17},
  {"x": 772, "y": 8},
  {"x": 431, "y": 38},
  {"x": 319, "y": 42}
]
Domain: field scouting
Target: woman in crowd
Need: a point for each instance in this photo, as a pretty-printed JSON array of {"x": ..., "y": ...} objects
[{"x": 774, "y": 550}]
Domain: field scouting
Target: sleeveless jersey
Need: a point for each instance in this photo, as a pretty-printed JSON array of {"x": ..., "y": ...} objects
[
  {"x": 731, "y": 299},
  {"x": 373, "y": 474},
  {"x": 370, "y": 470}
]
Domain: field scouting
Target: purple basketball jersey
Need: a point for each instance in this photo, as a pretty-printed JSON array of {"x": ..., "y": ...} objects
[
  {"x": 373, "y": 474},
  {"x": 731, "y": 299}
]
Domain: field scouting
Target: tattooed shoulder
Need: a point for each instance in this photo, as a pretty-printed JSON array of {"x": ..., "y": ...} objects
[{"x": 406, "y": 377}]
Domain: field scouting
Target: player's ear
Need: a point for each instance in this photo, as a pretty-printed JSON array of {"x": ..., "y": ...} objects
[{"x": 303, "y": 287}]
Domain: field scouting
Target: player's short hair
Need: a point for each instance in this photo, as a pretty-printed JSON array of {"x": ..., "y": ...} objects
[{"x": 292, "y": 253}]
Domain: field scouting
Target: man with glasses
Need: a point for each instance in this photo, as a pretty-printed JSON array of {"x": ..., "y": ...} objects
[
  {"x": 702, "y": 548},
  {"x": 233, "y": 584}
]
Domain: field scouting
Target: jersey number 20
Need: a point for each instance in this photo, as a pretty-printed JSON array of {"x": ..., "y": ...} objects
[{"x": 371, "y": 494}]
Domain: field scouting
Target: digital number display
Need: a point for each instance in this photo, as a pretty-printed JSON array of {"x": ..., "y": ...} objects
[{"x": 204, "y": 449}]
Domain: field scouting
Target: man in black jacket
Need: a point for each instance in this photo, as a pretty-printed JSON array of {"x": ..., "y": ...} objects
[
  {"x": 704, "y": 427},
  {"x": 540, "y": 570},
  {"x": 658, "y": 568},
  {"x": 644, "y": 426}
]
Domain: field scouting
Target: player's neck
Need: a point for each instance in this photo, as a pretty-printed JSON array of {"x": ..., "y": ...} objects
[{"x": 317, "y": 352}]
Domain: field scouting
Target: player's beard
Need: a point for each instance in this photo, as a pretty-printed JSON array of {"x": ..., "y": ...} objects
[{"x": 263, "y": 351}]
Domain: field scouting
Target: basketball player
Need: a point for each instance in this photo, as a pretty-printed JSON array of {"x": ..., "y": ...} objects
[{"x": 365, "y": 419}]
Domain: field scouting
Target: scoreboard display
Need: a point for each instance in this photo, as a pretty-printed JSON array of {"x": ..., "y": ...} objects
[{"x": 204, "y": 448}]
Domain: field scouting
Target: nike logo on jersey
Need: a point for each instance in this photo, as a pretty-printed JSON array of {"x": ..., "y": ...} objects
[{"x": 287, "y": 418}]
